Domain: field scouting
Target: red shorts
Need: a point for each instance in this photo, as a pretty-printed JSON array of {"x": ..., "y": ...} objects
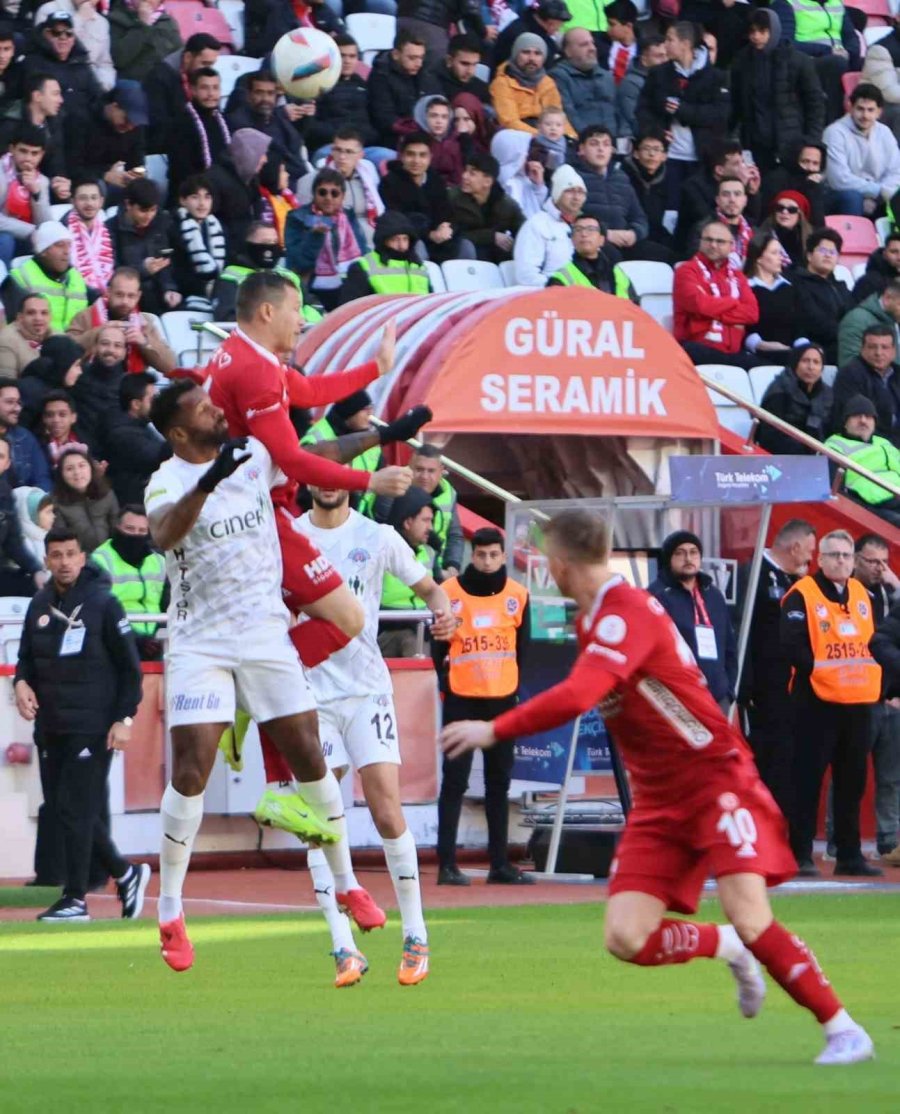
[
  {"x": 306, "y": 575},
  {"x": 734, "y": 827}
]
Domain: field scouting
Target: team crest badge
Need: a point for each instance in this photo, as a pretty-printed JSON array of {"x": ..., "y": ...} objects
[
  {"x": 824, "y": 627},
  {"x": 512, "y": 605},
  {"x": 821, "y": 610},
  {"x": 455, "y": 607},
  {"x": 358, "y": 556},
  {"x": 863, "y": 609},
  {"x": 728, "y": 802}
]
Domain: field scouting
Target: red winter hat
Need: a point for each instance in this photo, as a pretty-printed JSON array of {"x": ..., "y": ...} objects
[{"x": 799, "y": 199}]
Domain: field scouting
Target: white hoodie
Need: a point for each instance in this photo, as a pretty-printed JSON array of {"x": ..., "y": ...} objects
[
  {"x": 543, "y": 245},
  {"x": 869, "y": 164}
]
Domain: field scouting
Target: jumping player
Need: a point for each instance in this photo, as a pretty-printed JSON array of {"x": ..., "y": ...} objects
[
  {"x": 358, "y": 724},
  {"x": 699, "y": 805},
  {"x": 211, "y": 512}
]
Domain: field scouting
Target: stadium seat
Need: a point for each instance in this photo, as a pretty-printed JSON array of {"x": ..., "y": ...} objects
[
  {"x": 185, "y": 343},
  {"x": 829, "y": 372},
  {"x": 878, "y": 12},
  {"x": 19, "y": 261},
  {"x": 843, "y": 273},
  {"x": 110, "y": 212},
  {"x": 734, "y": 418},
  {"x": 193, "y": 18},
  {"x": 882, "y": 228},
  {"x": 58, "y": 212},
  {"x": 659, "y": 307},
  {"x": 231, "y": 68},
  {"x": 859, "y": 236},
  {"x": 761, "y": 378},
  {"x": 158, "y": 171},
  {"x": 734, "y": 378},
  {"x": 508, "y": 272},
  {"x": 858, "y": 271},
  {"x": 462, "y": 275},
  {"x": 849, "y": 81},
  {"x": 233, "y": 11},
  {"x": 435, "y": 277},
  {"x": 372, "y": 31},
  {"x": 649, "y": 278},
  {"x": 483, "y": 73}
]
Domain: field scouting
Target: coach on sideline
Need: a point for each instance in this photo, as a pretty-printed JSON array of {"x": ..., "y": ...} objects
[{"x": 79, "y": 679}]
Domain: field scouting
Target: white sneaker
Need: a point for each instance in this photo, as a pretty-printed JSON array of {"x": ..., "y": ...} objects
[
  {"x": 751, "y": 984},
  {"x": 847, "y": 1047}
]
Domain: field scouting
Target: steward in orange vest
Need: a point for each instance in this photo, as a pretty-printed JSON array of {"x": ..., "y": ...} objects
[{"x": 826, "y": 624}]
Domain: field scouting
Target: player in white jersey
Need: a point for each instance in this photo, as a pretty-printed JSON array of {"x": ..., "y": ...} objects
[
  {"x": 211, "y": 513},
  {"x": 357, "y": 722}
]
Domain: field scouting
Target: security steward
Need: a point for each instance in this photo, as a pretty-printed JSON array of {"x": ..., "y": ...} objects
[
  {"x": 826, "y": 626},
  {"x": 479, "y": 674},
  {"x": 78, "y": 679},
  {"x": 589, "y": 265},
  {"x": 392, "y": 267},
  {"x": 137, "y": 572}
]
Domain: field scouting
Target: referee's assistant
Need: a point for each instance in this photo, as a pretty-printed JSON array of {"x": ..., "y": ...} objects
[{"x": 79, "y": 679}]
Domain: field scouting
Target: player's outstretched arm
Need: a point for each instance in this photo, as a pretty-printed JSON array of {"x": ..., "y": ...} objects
[{"x": 349, "y": 445}]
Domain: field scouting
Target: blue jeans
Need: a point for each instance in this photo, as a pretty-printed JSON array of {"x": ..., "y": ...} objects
[{"x": 847, "y": 203}]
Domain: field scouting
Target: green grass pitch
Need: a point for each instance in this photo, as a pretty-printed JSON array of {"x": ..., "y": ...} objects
[{"x": 523, "y": 1012}]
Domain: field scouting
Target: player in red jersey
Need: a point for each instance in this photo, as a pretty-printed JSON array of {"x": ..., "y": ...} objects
[{"x": 699, "y": 805}]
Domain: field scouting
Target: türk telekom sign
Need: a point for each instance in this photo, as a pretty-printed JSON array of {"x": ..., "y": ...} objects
[{"x": 566, "y": 361}]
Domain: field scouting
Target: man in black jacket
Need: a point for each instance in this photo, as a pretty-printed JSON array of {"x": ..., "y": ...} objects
[
  {"x": 883, "y": 268},
  {"x": 646, "y": 170},
  {"x": 396, "y": 82},
  {"x": 167, "y": 81},
  {"x": 115, "y": 144},
  {"x": 96, "y": 392},
  {"x": 872, "y": 374},
  {"x": 142, "y": 238},
  {"x": 21, "y": 574},
  {"x": 610, "y": 195},
  {"x": 133, "y": 447},
  {"x": 457, "y": 74},
  {"x": 822, "y": 298},
  {"x": 699, "y": 611},
  {"x": 78, "y": 678},
  {"x": 344, "y": 106},
  {"x": 56, "y": 51},
  {"x": 430, "y": 20}
]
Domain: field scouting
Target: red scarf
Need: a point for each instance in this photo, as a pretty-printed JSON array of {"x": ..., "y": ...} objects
[
  {"x": 134, "y": 361},
  {"x": 743, "y": 234},
  {"x": 92, "y": 250}
]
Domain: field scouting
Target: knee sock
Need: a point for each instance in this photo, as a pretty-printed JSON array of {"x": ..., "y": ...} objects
[
  {"x": 278, "y": 772},
  {"x": 317, "y": 639},
  {"x": 323, "y": 884},
  {"x": 403, "y": 864},
  {"x": 180, "y": 818},
  {"x": 794, "y": 967},
  {"x": 325, "y": 795},
  {"x": 678, "y": 942}
]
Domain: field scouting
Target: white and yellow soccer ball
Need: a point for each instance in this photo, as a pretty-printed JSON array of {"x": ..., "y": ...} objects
[{"x": 307, "y": 63}]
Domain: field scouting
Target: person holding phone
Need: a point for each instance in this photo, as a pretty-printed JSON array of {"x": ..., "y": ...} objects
[{"x": 142, "y": 238}]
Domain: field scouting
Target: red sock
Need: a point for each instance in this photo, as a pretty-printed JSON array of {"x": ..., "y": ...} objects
[
  {"x": 678, "y": 942},
  {"x": 317, "y": 639},
  {"x": 794, "y": 967},
  {"x": 273, "y": 760}
]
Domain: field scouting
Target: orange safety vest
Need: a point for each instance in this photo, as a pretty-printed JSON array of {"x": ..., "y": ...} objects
[
  {"x": 483, "y": 650},
  {"x": 844, "y": 671}
]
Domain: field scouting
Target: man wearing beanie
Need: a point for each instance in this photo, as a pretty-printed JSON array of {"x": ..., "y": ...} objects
[
  {"x": 412, "y": 516},
  {"x": 522, "y": 88},
  {"x": 392, "y": 267},
  {"x": 544, "y": 243},
  {"x": 49, "y": 272},
  {"x": 858, "y": 441},
  {"x": 699, "y": 611}
]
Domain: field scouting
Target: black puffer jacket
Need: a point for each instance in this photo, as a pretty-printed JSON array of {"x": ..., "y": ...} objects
[
  {"x": 425, "y": 206},
  {"x": 393, "y": 94},
  {"x": 787, "y": 399},
  {"x": 265, "y": 21},
  {"x": 611, "y": 197},
  {"x": 81, "y": 90},
  {"x": 345, "y": 106},
  {"x": 705, "y": 103},
  {"x": 651, "y": 193},
  {"x": 878, "y": 274},
  {"x": 444, "y": 12}
]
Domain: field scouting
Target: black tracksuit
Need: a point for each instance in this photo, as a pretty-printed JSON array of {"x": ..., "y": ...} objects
[
  {"x": 79, "y": 655},
  {"x": 498, "y": 759}
]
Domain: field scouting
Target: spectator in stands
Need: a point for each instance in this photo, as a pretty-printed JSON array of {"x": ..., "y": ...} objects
[
  {"x": 168, "y": 88},
  {"x": 877, "y": 309},
  {"x": 826, "y": 33},
  {"x": 823, "y": 299},
  {"x": 83, "y": 501},
  {"x": 698, "y": 610},
  {"x": 433, "y": 116},
  {"x": 619, "y": 47},
  {"x": 430, "y": 21},
  {"x": 788, "y": 222},
  {"x": 323, "y": 238},
  {"x": 412, "y": 187},
  {"x": 801, "y": 171},
  {"x": 882, "y": 69},
  {"x": 133, "y": 447},
  {"x": 58, "y": 419},
  {"x": 265, "y": 22},
  {"x": 41, "y": 108},
  {"x": 457, "y": 75},
  {"x": 522, "y": 88},
  {"x": 11, "y": 70},
  {"x": 652, "y": 53},
  {"x": 482, "y": 213},
  {"x": 873, "y": 373},
  {"x": 391, "y": 267},
  {"x": 587, "y": 91},
  {"x": 698, "y": 194},
  {"x": 92, "y": 251},
  {"x": 141, "y": 235},
  {"x": 589, "y": 265},
  {"x": 49, "y": 272},
  {"x": 199, "y": 244},
  {"x": 863, "y": 157},
  {"x": 688, "y": 98},
  {"x": 115, "y": 147},
  {"x": 235, "y": 182},
  {"x": 24, "y": 193},
  {"x": 550, "y": 144},
  {"x": 344, "y": 106},
  {"x": 610, "y": 194},
  {"x": 646, "y": 170},
  {"x": 96, "y": 393},
  {"x": 880, "y": 456},
  {"x": 731, "y": 201},
  {"x": 473, "y": 128},
  {"x": 521, "y": 174},
  {"x": 361, "y": 176},
  {"x": 544, "y": 243},
  {"x": 776, "y": 96},
  {"x": 713, "y": 302},
  {"x": 57, "y": 368},
  {"x": 142, "y": 33},
  {"x": 91, "y": 30},
  {"x": 430, "y": 477},
  {"x": 56, "y": 52},
  {"x": 801, "y": 397},
  {"x": 396, "y": 82},
  {"x": 199, "y": 136},
  {"x": 119, "y": 308},
  {"x": 258, "y": 252},
  {"x": 883, "y": 268},
  {"x": 21, "y": 340},
  {"x": 780, "y": 324},
  {"x": 20, "y": 574},
  {"x": 262, "y": 113},
  {"x": 545, "y": 21},
  {"x": 35, "y": 510},
  {"x": 29, "y": 464}
]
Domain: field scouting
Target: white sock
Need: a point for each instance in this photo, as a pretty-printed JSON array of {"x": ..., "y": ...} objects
[
  {"x": 323, "y": 884},
  {"x": 325, "y": 796},
  {"x": 180, "y": 818},
  {"x": 730, "y": 946},
  {"x": 840, "y": 1023},
  {"x": 403, "y": 863}
]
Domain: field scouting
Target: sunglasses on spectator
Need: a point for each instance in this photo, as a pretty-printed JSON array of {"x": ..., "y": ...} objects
[
  {"x": 326, "y": 192},
  {"x": 779, "y": 208},
  {"x": 62, "y": 34}
]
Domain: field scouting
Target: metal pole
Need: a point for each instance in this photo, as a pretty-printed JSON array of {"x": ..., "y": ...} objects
[
  {"x": 556, "y": 834},
  {"x": 750, "y": 596}
]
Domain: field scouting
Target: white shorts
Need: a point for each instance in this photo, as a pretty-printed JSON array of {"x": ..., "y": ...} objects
[
  {"x": 359, "y": 731},
  {"x": 259, "y": 671}
]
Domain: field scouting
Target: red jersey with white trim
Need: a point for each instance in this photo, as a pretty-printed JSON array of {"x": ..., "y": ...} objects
[
  {"x": 256, "y": 390},
  {"x": 641, "y": 674}
]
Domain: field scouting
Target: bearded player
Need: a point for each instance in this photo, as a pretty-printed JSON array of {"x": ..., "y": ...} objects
[{"x": 699, "y": 805}]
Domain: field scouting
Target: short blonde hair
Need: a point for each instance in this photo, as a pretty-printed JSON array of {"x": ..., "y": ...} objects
[
  {"x": 583, "y": 534},
  {"x": 837, "y": 535}
]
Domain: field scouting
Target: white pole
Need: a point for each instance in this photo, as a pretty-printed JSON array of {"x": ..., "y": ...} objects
[{"x": 556, "y": 834}]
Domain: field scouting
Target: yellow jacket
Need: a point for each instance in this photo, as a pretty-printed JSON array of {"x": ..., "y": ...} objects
[{"x": 516, "y": 103}]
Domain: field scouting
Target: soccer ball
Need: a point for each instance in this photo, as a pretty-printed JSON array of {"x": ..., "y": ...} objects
[{"x": 307, "y": 63}]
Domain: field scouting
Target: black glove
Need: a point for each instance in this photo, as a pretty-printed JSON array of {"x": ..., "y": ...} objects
[
  {"x": 225, "y": 463},
  {"x": 406, "y": 426}
]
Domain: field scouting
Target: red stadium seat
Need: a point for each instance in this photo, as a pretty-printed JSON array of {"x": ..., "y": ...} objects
[
  {"x": 192, "y": 17},
  {"x": 849, "y": 81},
  {"x": 877, "y": 11},
  {"x": 859, "y": 236}
]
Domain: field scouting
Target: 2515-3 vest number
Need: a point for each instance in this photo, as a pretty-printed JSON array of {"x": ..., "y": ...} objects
[{"x": 476, "y": 643}]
